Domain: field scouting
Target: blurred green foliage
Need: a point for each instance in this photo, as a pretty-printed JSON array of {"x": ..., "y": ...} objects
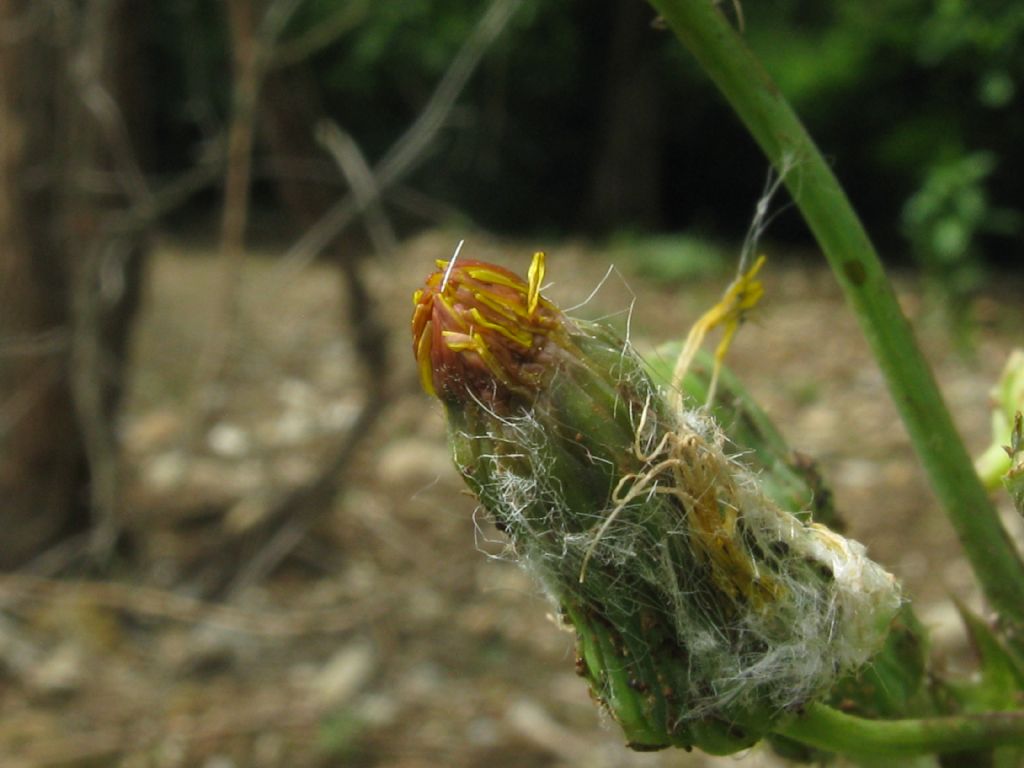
[
  {"x": 901, "y": 93},
  {"x": 340, "y": 735},
  {"x": 943, "y": 221},
  {"x": 671, "y": 260},
  {"x": 907, "y": 94}
]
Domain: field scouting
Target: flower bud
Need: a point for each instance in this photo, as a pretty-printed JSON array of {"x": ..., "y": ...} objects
[
  {"x": 703, "y": 611},
  {"x": 1007, "y": 397}
]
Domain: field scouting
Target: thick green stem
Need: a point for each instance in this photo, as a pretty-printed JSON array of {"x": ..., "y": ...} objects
[
  {"x": 740, "y": 77},
  {"x": 831, "y": 730}
]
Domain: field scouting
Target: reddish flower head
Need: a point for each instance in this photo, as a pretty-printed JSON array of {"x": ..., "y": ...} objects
[{"x": 480, "y": 330}]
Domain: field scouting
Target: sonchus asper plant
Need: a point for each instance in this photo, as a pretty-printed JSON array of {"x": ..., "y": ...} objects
[{"x": 705, "y": 614}]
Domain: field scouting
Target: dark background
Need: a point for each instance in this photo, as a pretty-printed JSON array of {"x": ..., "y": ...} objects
[{"x": 586, "y": 117}]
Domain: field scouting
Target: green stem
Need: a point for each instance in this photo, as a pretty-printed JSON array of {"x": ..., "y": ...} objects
[
  {"x": 831, "y": 730},
  {"x": 756, "y": 99}
]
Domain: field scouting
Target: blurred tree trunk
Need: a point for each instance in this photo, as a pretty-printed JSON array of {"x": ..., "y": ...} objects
[
  {"x": 68, "y": 289},
  {"x": 42, "y": 458},
  {"x": 626, "y": 185}
]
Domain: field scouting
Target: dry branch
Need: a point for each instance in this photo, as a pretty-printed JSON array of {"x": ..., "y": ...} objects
[
  {"x": 161, "y": 604},
  {"x": 352, "y": 163},
  {"x": 291, "y": 517},
  {"x": 288, "y": 521},
  {"x": 98, "y": 746},
  {"x": 251, "y": 49},
  {"x": 346, "y": 18},
  {"x": 411, "y": 147}
]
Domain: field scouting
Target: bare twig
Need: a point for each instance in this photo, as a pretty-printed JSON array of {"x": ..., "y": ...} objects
[
  {"x": 91, "y": 367},
  {"x": 236, "y": 205},
  {"x": 275, "y": 19},
  {"x": 161, "y": 604},
  {"x": 410, "y": 149},
  {"x": 426, "y": 207},
  {"x": 365, "y": 190},
  {"x": 251, "y": 48},
  {"x": 296, "y": 512},
  {"x": 98, "y": 434},
  {"x": 291, "y": 516},
  {"x": 169, "y": 196},
  {"x": 98, "y": 746},
  {"x": 86, "y": 71},
  {"x": 346, "y": 18}
]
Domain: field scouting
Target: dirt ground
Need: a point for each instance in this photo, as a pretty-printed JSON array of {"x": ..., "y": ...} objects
[{"x": 393, "y": 635}]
